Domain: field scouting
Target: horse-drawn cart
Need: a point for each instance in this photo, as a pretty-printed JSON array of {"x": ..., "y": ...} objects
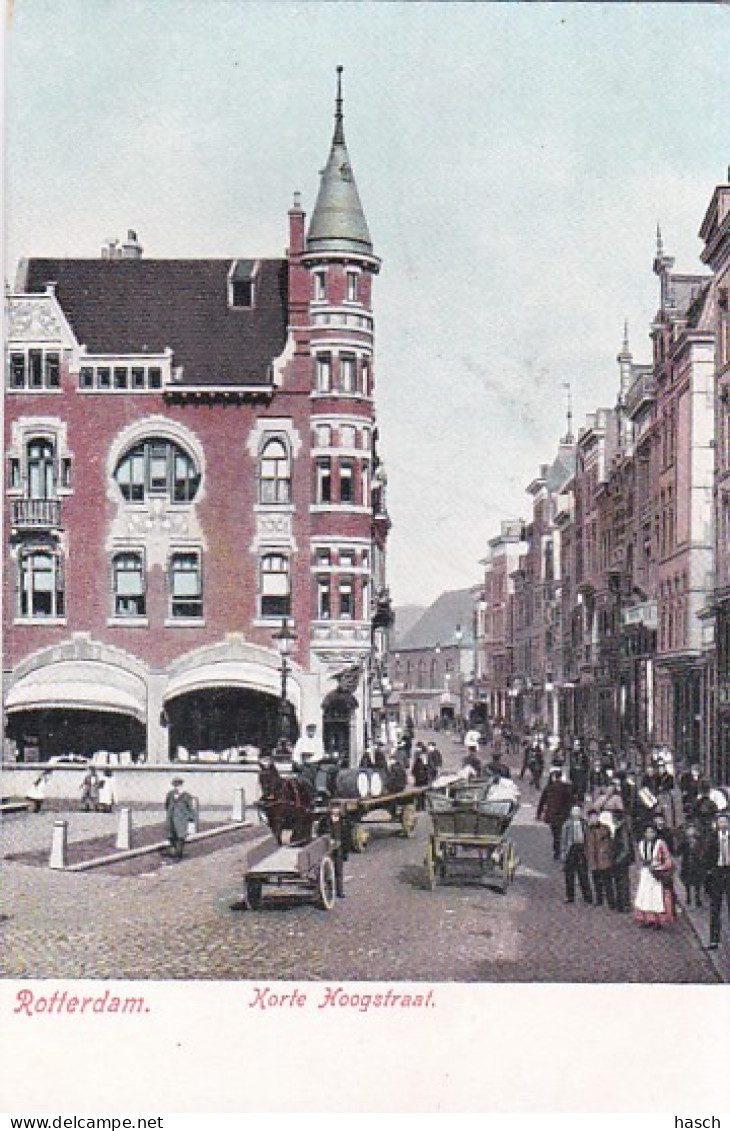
[
  {"x": 399, "y": 809},
  {"x": 314, "y": 868},
  {"x": 468, "y": 842}
]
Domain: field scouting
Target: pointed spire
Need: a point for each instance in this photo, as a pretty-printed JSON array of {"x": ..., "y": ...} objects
[
  {"x": 625, "y": 353},
  {"x": 569, "y": 437},
  {"x": 338, "y": 222},
  {"x": 659, "y": 243}
]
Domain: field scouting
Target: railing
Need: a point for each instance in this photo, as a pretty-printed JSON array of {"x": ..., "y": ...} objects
[{"x": 36, "y": 514}]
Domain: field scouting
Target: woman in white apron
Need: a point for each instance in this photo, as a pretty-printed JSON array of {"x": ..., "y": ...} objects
[{"x": 653, "y": 903}]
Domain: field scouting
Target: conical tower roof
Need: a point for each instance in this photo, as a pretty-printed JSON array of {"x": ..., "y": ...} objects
[{"x": 338, "y": 222}]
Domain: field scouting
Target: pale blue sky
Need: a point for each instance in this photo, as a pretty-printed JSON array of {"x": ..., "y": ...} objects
[{"x": 513, "y": 161}]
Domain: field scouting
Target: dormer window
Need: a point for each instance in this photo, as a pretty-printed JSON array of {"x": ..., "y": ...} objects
[{"x": 241, "y": 288}]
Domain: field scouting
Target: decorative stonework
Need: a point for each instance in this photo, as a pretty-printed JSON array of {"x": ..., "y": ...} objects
[
  {"x": 267, "y": 427},
  {"x": 158, "y": 526},
  {"x": 37, "y": 319}
]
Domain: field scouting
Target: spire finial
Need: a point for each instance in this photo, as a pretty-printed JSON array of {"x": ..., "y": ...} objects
[
  {"x": 626, "y": 335},
  {"x": 339, "y": 138},
  {"x": 659, "y": 243},
  {"x": 569, "y": 438}
]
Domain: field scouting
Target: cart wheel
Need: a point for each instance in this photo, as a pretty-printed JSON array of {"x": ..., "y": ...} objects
[
  {"x": 326, "y": 884},
  {"x": 408, "y": 820},
  {"x": 254, "y": 894},
  {"x": 358, "y": 837},
  {"x": 430, "y": 863}
]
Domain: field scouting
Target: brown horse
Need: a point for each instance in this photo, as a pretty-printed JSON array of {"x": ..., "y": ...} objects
[{"x": 287, "y": 804}]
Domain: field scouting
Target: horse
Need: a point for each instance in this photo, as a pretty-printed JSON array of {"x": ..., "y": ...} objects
[{"x": 287, "y": 804}]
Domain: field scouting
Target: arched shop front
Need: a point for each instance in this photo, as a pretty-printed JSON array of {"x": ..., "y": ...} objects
[
  {"x": 76, "y": 707},
  {"x": 214, "y": 710}
]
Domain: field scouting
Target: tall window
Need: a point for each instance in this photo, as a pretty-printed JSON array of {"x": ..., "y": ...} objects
[
  {"x": 348, "y": 374},
  {"x": 365, "y": 483},
  {"x": 41, "y": 585},
  {"x": 324, "y": 372},
  {"x": 41, "y": 469},
  {"x": 129, "y": 585},
  {"x": 320, "y": 288},
  {"x": 352, "y": 281},
  {"x": 323, "y": 485},
  {"x": 275, "y": 586},
  {"x": 274, "y": 473},
  {"x": 186, "y": 585},
  {"x": 324, "y": 598},
  {"x": 347, "y": 481},
  {"x": 157, "y": 467},
  {"x": 347, "y": 603}
]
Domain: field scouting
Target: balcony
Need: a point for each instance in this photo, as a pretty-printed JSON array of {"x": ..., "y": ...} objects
[{"x": 36, "y": 514}]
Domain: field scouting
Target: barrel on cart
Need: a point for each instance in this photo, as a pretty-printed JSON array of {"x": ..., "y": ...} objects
[
  {"x": 386, "y": 809},
  {"x": 468, "y": 842}
]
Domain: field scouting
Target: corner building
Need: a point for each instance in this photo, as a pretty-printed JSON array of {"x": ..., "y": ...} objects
[{"x": 191, "y": 459}]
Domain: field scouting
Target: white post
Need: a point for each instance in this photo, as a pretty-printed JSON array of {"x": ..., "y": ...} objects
[
  {"x": 59, "y": 844},
  {"x": 124, "y": 833},
  {"x": 239, "y": 805},
  {"x": 193, "y": 824}
]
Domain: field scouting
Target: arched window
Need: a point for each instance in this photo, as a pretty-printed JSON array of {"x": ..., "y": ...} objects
[
  {"x": 41, "y": 469},
  {"x": 41, "y": 585},
  {"x": 275, "y": 586},
  {"x": 157, "y": 467},
  {"x": 129, "y": 585},
  {"x": 274, "y": 473}
]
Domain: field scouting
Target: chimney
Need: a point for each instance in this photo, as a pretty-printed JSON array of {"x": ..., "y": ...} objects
[
  {"x": 110, "y": 249},
  {"x": 132, "y": 248},
  {"x": 296, "y": 226}
]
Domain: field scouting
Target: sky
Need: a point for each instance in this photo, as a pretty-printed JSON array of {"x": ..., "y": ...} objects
[{"x": 513, "y": 161}]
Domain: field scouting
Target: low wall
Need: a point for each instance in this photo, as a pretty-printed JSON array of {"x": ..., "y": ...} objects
[{"x": 212, "y": 785}]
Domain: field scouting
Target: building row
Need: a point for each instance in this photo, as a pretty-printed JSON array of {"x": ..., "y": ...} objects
[
  {"x": 606, "y": 613},
  {"x": 193, "y": 488}
]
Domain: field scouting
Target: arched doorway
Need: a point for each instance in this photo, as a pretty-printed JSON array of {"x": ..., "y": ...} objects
[
  {"x": 218, "y": 722},
  {"x": 338, "y": 724}
]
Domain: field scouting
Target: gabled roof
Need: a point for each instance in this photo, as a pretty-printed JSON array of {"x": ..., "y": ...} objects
[
  {"x": 439, "y": 623},
  {"x": 127, "y": 306}
]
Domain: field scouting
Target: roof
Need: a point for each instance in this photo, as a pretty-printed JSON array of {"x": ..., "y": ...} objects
[
  {"x": 133, "y": 306},
  {"x": 439, "y": 623},
  {"x": 338, "y": 221}
]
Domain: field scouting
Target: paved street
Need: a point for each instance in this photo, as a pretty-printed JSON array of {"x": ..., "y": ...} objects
[{"x": 149, "y": 918}]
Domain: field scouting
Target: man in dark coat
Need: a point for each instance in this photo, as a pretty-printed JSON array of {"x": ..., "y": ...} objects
[
  {"x": 497, "y": 768},
  {"x": 179, "y": 811},
  {"x": 717, "y": 868},
  {"x": 623, "y": 858},
  {"x": 554, "y": 806}
]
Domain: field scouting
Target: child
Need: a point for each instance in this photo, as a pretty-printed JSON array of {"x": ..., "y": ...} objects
[{"x": 690, "y": 854}]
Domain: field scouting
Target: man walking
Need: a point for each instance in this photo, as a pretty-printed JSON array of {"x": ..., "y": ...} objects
[
  {"x": 554, "y": 806},
  {"x": 623, "y": 858},
  {"x": 573, "y": 854},
  {"x": 599, "y": 854},
  {"x": 179, "y": 811},
  {"x": 717, "y": 864}
]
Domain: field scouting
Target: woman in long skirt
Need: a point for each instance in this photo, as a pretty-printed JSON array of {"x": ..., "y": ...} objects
[{"x": 653, "y": 903}]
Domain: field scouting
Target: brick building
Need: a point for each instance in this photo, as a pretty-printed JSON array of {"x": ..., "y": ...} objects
[{"x": 191, "y": 461}]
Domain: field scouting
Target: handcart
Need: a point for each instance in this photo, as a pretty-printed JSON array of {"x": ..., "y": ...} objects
[
  {"x": 468, "y": 842},
  {"x": 314, "y": 869}
]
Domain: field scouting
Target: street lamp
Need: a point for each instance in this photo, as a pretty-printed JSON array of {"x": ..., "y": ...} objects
[{"x": 284, "y": 639}]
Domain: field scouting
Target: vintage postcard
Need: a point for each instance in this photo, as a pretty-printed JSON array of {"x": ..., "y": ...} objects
[{"x": 366, "y": 588}]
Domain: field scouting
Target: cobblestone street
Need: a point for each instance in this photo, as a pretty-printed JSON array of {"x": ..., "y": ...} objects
[{"x": 148, "y": 918}]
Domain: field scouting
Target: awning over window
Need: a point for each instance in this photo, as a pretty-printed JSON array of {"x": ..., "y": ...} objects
[
  {"x": 233, "y": 673},
  {"x": 79, "y": 685}
]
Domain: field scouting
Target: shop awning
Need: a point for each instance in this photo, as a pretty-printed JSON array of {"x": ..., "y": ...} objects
[
  {"x": 233, "y": 673},
  {"x": 76, "y": 685}
]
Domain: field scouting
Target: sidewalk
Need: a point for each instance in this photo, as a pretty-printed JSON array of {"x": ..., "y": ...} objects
[{"x": 699, "y": 920}]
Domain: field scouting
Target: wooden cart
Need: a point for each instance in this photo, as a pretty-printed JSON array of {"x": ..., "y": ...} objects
[
  {"x": 399, "y": 809},
  {"x": 314, "y": 869},
  {"x": 468, "y": 842}
]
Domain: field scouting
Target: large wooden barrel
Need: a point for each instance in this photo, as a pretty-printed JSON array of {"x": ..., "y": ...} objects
[
  {"x": 376, "y": 783},
  {"x": 353, "y": 783}
]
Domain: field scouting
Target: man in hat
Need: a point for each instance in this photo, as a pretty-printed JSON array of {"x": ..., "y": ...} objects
[{"x": 179, "y": 811}]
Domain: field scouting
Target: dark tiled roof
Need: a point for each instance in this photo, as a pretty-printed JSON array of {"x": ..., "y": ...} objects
[
  {"x": 438, "y": 623},
  {"x": 137, "y": 305}
]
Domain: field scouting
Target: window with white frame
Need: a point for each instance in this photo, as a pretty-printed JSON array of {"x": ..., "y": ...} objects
[
  {"x": 352, "y": 286},
  {"x": 129, "y": 585},
  {"x": 34, "y": 369},
  {"x": 41, "y": 585},
  {"x": 347, "y": 603},
  {"x": 157, "y": 467},
  {"x": 320, "y": 286},
  {"x": 41, "y": 467},
  {"x": 324, "y": 598},
  {"x": 275, "y": 586},
  {"x": 323, "y": 435},
  {"x": 323, "y": 558},
  {"x": 365, "y": 483},
  {"x": 348, "y": 373},
  {"x": 348, "y": 436},
  {"x": 186, "y": 585},
  {"x": 274, "y": 472},
  {"x": 324, "y": 372},
  {"x": 347, "y": 481},
  {"x": 323, "y": 483},
  {"x": 347, "y": 558}
]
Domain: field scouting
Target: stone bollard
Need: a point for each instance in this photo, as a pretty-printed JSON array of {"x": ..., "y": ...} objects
[
  {"x": 193, "y": 825},
  {"x": 59, "y": 843},
  {"x": 124, "y": 832},
  {"x": 239, "y": 805}
]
